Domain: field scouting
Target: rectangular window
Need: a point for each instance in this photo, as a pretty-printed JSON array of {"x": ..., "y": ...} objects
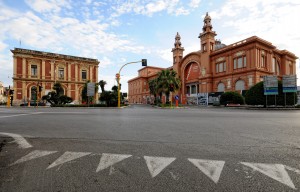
[
  {"x": 263, "y": 61},
  {"x": 240, "y": 62},
  {"x": 217, "y": 68},
  {"x": 61, "y": 73},
  {"x": 221, "y": 67},
  {"x": 33, "y": 70},
  {"x": 234, "y": 63},
  {"x": 83, "y": 75}
]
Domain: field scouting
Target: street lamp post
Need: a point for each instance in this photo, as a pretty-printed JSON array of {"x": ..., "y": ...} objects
[{"x": 144, "y": 63}]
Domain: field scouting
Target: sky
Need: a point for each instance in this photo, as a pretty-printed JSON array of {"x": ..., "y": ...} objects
[{"x": 119, "y": 31}]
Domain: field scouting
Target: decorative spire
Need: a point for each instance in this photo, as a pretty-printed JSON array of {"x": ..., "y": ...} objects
[
  {"x": 177, "y": 43},
  {"x": 207, "y": 23}
]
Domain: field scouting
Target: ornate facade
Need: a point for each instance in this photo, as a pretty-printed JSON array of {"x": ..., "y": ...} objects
[
  {"x": 33, "y": 68},
  {"x": 138, "y": 88},
  {"x": 236, "y": 67}
]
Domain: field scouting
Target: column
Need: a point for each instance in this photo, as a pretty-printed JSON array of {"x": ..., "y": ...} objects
[
  {"x": 24, "y": 68},
  {"x": 76, "y": 72},
  {"x": 91, "y": 73},
  {"x": 43, "y": 69},
  {"x": 44, "y": 87},
  {"x": 69, "y": 90},
  {"x": 15, "y": 67},
  {"x": 76, "y": 93},
  {"x": 96, "y": 74},
  {"x": 69, "y": 71}
]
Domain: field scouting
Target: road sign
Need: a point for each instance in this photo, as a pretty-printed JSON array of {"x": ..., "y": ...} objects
[
  {"x": 270, "y": 85},
  {"x": 176, "y": 97},
  {"x": 90, "y": 89},
  {"x": 289, "y": 83}
]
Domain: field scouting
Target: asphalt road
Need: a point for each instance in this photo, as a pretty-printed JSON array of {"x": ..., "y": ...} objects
[{"x": 141, "y": 148}]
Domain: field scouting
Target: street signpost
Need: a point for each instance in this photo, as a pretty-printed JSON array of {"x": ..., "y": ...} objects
[
  {"x": 289, "y": 85},
  {"x": 270, "y": 87}
]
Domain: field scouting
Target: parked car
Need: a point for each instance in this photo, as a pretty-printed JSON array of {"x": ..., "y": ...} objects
[{"x": 32, "y": 103}]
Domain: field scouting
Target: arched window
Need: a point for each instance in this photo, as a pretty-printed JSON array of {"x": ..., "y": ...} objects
[
  {"x": 33, "y": 93},
  {"x": 240, "y": 85},
  {"x": 221, "y": 87}
]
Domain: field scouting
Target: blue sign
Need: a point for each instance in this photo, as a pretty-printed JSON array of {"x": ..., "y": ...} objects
[{"x": 176, "y": 97}]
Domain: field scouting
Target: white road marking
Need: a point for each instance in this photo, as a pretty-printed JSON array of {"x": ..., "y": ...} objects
[
  {"x": 21, "y": 141},
  {"x": 66, "y": 157},
  {"x": 22, "y": 114},
  {"x": 210, "y": 168},
  {"x": 157, "y": 164},
  {"x": 275, "y": 171},
  {"x": 33, "y": 155},
  {"x": 108, "y": 160},
  {"x": 292, "y": 169}
]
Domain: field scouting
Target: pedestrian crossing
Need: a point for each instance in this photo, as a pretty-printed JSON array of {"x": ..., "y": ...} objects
[{"x": 212, "y": 169}]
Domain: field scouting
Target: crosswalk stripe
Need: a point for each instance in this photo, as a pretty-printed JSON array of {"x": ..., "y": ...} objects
[
  {"x": 157, "y": 164},
  {"x": 66, "y": 157},
  {"x": 33, "y": 155},
  {"x": 108, "y": 159},
  {"x": 211, "y": 168},
  {"x": 275, "y": 171}
]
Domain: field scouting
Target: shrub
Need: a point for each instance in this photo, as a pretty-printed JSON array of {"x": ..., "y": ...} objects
[
  {"x": 231, "y": 97},
  {"x": 255, "y": 96}
]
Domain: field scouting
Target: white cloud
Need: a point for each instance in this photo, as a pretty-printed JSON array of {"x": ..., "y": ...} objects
[
  {"x": 42, "y": 6},
  {"x": 194, "y": 3},
  {"x": 182, "y": 11}
]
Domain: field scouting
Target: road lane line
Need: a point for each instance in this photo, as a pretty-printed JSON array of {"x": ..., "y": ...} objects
[
  {"x": 108, "y": 159},
  {"x": 33, "y": 155},
  {"x": 275, "y": 171},
  {"x": 21, "y": 141},
  {"x": 66, "y": 157},
  {"x": 157, "y": 164},
  {"x": 210, "y": 168},
  {"x": 35, "y": 113}
]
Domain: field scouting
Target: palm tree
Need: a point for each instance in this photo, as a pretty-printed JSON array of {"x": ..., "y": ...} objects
[
  {"x": 153, "y": 88},
  {"x": 166, "y": 79},
  {"x": 102, "y": 84}
]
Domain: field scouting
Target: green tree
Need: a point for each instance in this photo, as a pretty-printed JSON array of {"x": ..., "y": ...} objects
[
  {"x": 153, "y": 89},
  {"x": 57, "y": 97},
  {"x": 255, "y": 96},
  {"x": 102, "y": 84},
  {"x": 231, "y": 97},
  {"x": 165, "y": 79}
]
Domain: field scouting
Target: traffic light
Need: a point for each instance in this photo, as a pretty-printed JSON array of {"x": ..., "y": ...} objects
[
  {"x": 40, "y": 88},
  {"x": 11, "y": 92},
  {"x": 144, "y": 62},
  {"x": 171, "y": 87}
]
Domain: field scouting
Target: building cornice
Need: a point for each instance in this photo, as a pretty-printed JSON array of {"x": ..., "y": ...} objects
[{"x": 51, "y": 56}]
